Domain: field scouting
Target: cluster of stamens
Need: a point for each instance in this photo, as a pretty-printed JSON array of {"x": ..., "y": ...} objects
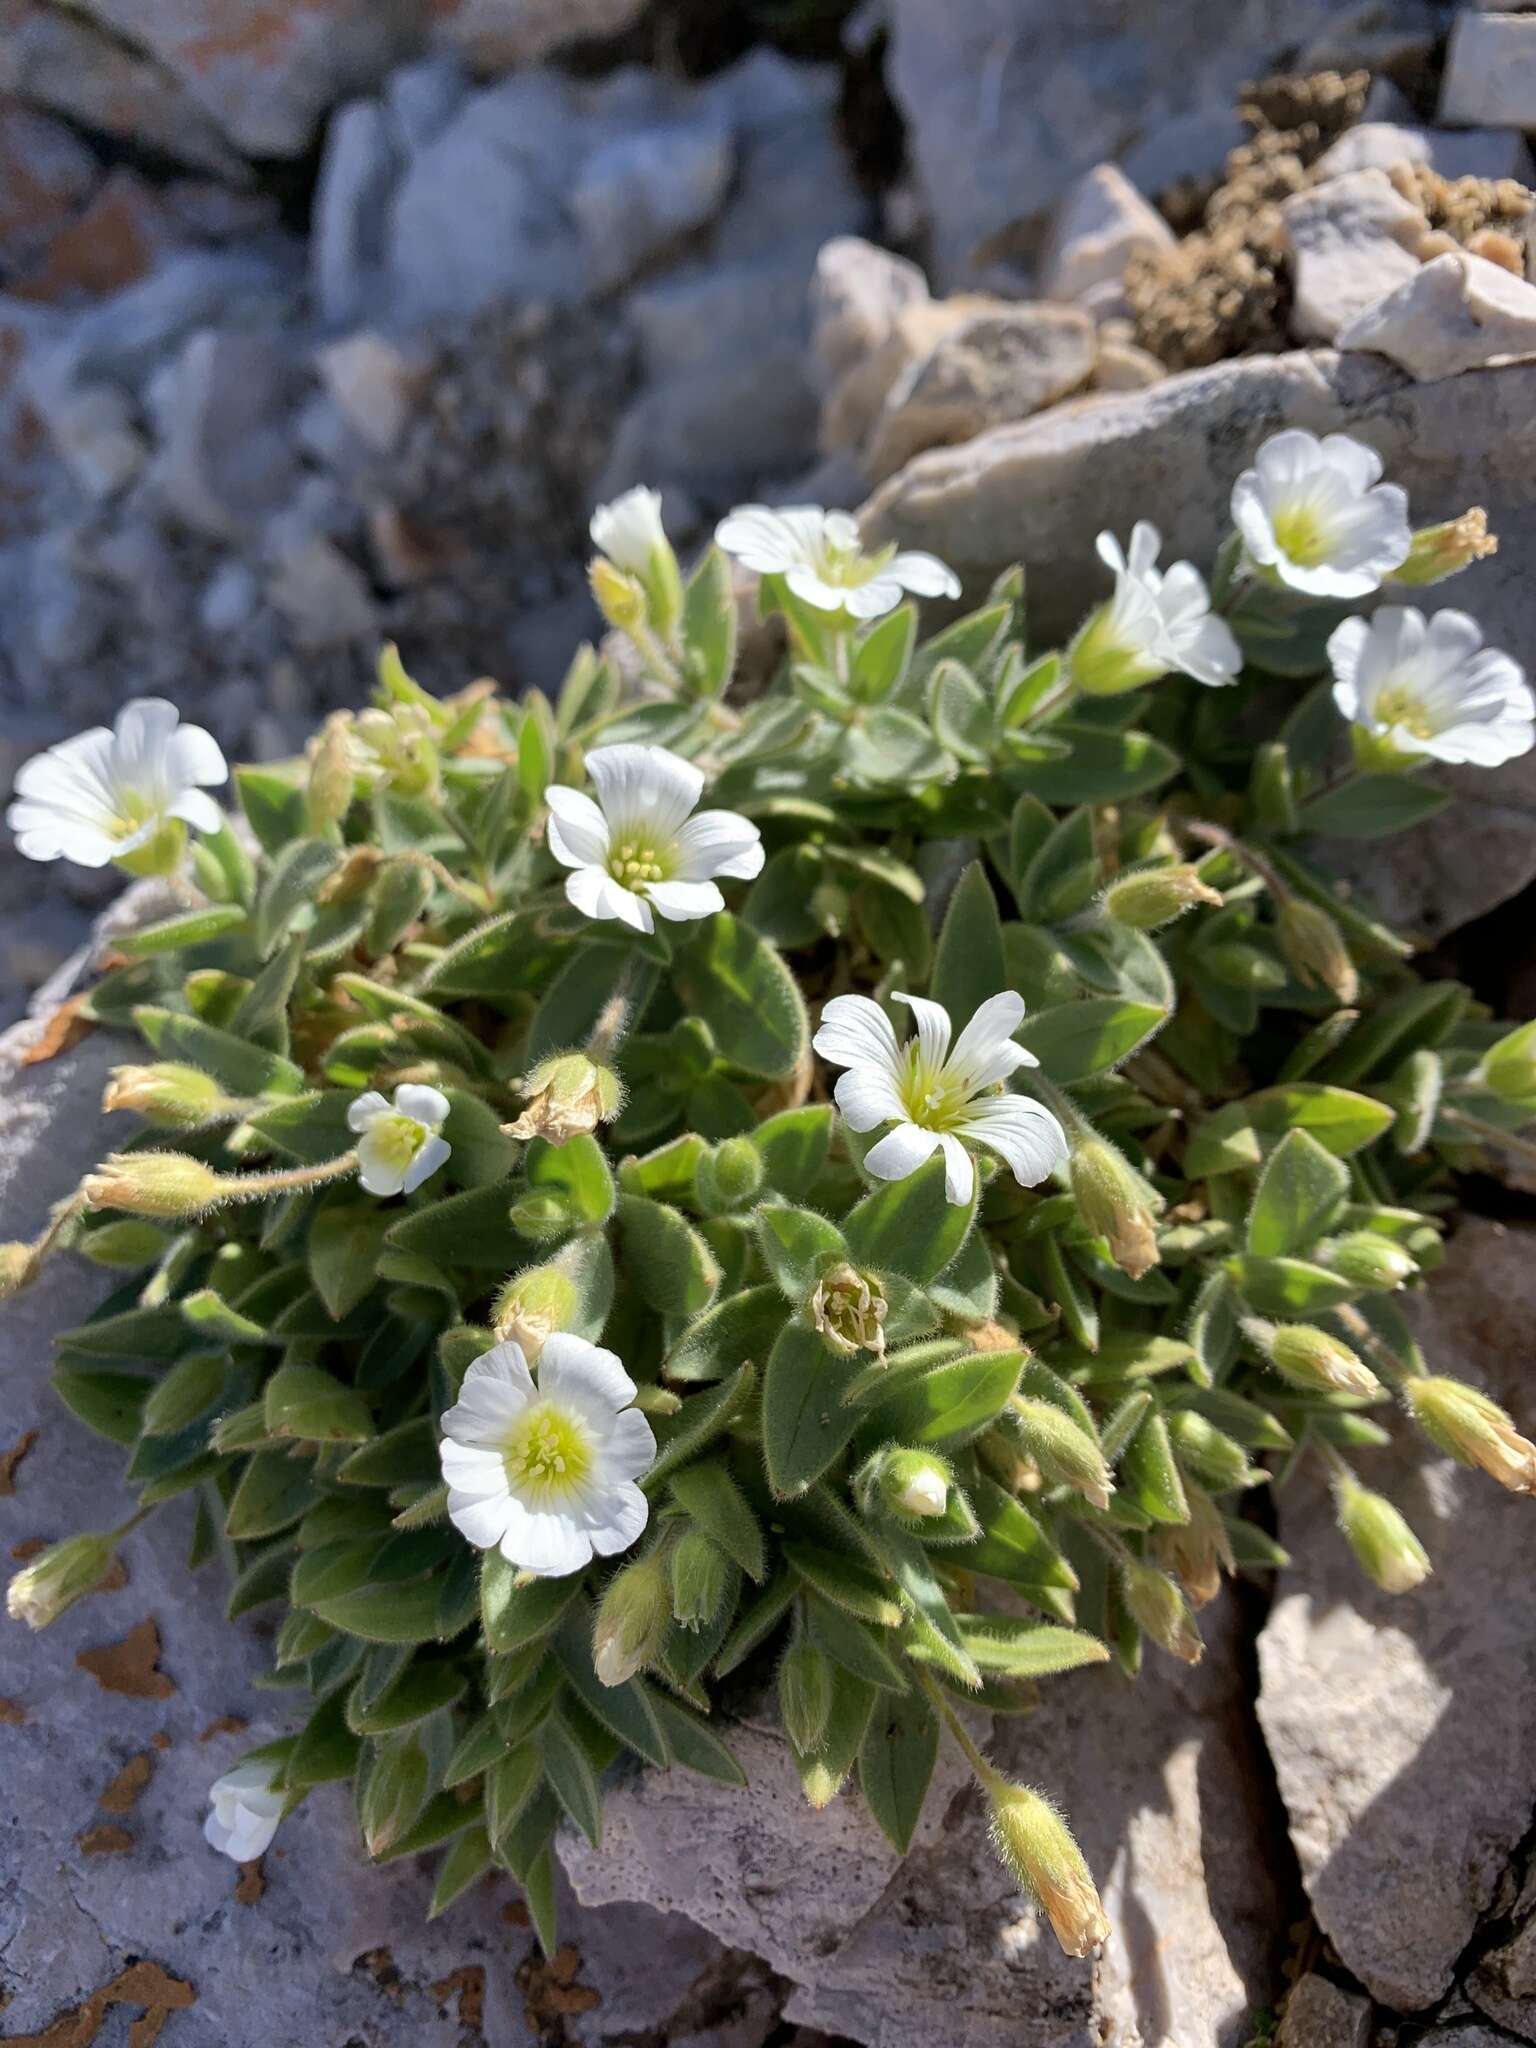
[
  {"x": 1402, "y": 708},
  {"x": 634, "y": 863},
  {"x": 545, "y": 1454}
]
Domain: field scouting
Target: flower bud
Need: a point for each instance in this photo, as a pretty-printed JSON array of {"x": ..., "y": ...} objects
[
  {"x": 730, "y": 1176},
  {"x": 1444, "y": 550},
  {"x": 1473, "y": 1429},
  {"x": 567, "y": 1095},
  {"x": 394, "y": 1792},
  {"x": 805, "y": 1695},
  {"x": 1216, "y": 1459},
  {"x": 1036, "y": 1845},
  {"x": 542, "y": 1216},
  {"x": 912, "y": 1486},
  {"x": 700, "y": 1578},
  {"x": 1509, "y": 1068},
  {"x": 1105, "y": 661},
  {"x": 1366, "y": 1260},
  {"x": 1385, "y": 1548},
  {"x": 64, "y": 1573},
  {"x": 169, "y": 1093},
  {"x": 18, "y": 1268},
  {"x": 533, "y": 1306},
  {"x": 168, "y": 1185},
  {"x": 620, "y": 596},
  {"x": 1066, "y": 1454},
  {"x": 1113, "y": 1203},
  {"x": 1314, "y": 948},
  {"x": 1198, "y": 1551},
  {"x": 1157, "y": 1607},
  {"x": 1149, "y": 897},
  {"x": 332, "y": 773},
  {"x": 1312, "y": 1360},
  {"x": 632, "y": 1620},
  {"x": 847, "y": 1309}
]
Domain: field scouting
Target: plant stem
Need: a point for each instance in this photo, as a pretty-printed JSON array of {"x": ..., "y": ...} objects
[
  {"x": 252, "y": 1187},
  {"x": 987, "y": 1777},
  {"x": 1509, "y": 1141}
]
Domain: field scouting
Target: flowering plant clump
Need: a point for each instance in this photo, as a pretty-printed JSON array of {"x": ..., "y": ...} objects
[{"x": 852, "y": 1189}]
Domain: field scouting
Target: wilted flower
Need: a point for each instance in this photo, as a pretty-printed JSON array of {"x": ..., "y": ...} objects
[
  {"x": 246, "y": 1808},
  {"x": 1473, "y": 1429},
  {"x": 1115, "y": 1204},
  {"x": 1036, "y": 1844},
  {"x": 1157, "y": 621},
  {"x": 1157, "y": 1607},
  {"x": 1311, "y": 1359},
  {"x": 168, "y": 1185},
  {"x": 1315, "y": 514},
  {"x": 546, "y": 1473},
  {"x": 567, "y": 1095},
  {"x": 168, "y": 1092},
  {"x": 847, "y": 1308},
  {"x": 822, "y": 560},
  {"x": 1448, "y": 548},
  {"x": 1314, "y": 948},
  {"x": 64, "y": 1573},
  {"x": 637, "y": 849},
  {"x": 936, "y": 1095},
  {"x": 124, "y": 795},
  {"x": 399, "y": 1144},
  {"x": 532, "y": 1307},
  {"x": 1415, "y": 689},
  {"x": 1198, "y": 1551}
]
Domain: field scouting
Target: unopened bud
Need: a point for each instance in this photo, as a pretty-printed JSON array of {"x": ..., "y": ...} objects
[
  {"x": 847, "y": 1308},
  {"x": 1314, "y": 948},
  {"x": 730, "y": 1176},
  {"x": 394, "y": 1792},
  {"x": 700, "y": 1578},
  {"x": 1444, "y": 550},
  {"x": 620, "y": 596},
  {"x": 1216, "y": 1459},
  {"x": 1366, "y": 1260},
  {"x": 805, "y": 1695},
  {"x": 169, "y": 1093},
  {"x": 18, "y": 1268},
  {"x": 169, "y": 1185},
  {"x": 1114, "y": 1204},
  {"x": 541, "y": 1216},
  {"x": 567, "y": 1095},
  {"x": 1385, "y": 1548},
  {"x": 1064, "y": 1451},
  {"x": 332, "y": 773},
  {"x": 1509, "y": 1068},
  {"x": 1157, "y": 1607},
  {"x": 1312, "y": 1360},
  {"x": 533, "y": 1306},
  {"x": 1149, "y": 897},
  {"x": 1036, "y": 1845},
  {"x": 912, "y": 1486},
  {"x": 1198, "y": 1551},
  {"x": 64, "y": 1573},
  {"x": 1474, "y": 1430},
  {"x": 632, "y": 1620}
]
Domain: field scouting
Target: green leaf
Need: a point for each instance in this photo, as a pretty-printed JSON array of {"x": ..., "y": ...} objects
[
  {"x": 927, "y": 1608},
  {"x": 670, "y": 1262},
  {"x": 515, "y": 1615},
  {"x": 1340, "y": 1120},
  {"x": 738, "y": 1330},
  {"x": 709, "y": 626},
  {"x": 888, "y": 745},
  {"x": 694, "y": 1744},
  {"x": 1300, "y": 1193},
  {"x": 345, "y": 1240},
  {"x": 624, "y": 1710},
  {"x": 698, "y": 1422},
  {"x": 882, "y": 656},
  {"x": 326, "y": 1748},
  {"x": 847, "y": 1583},
  {"x": 403, "y": 1455},
  {"x": 968, "y": 965},
  {"x": 854, "y": 1644},
  {"x": 950, "y": 1403},
  {"x": 570, "y": 1007},
  {"x": 1013, "y": 1547},
  {"x": 1373, "y": 806},
  {"x": 794, "y": 1147},
  {"x": 464, "y": 1230},
  {"x": 822, "y": 1776},
  {"x": 572, "y": 1778},
  {"x": 577, "y": 1170},
  {"x": 1287, "y": 1287},
  {"x": 304, "y": 1402},
  {"x": 180, "y": 934},
  {"x": 910, "y": 1226},
  {"x": 483, "y": 1155},
  {"x": 1103, "y": 767},
  {"x": 465, "y": 1864},
  {"x": 423, "y": 1688},
  {"x": 1132, "y": 1355},
  {"x": 243, "y": 1069},
  {"x": 291, "y": 883},
  {"x": 797, "y": 1246},
  {"x": 273, "y": 802},
  {"x": 1006, "y": 1646},
  {"x": 387, "y": 1613},
  {"x": 805, "y": 1426},
  {"x": 309, "y": 1128},
  {"x": 740, "y": 988},
  {"x": 714, "y": 1500},
  {"x": 1149, "y": 1472},
  {"x": 960, "y": 711},
  {"x": 896, "y": 1759},
  {"x": 1075, "y": 1040},
  {"x": 274, "y": 1490}
]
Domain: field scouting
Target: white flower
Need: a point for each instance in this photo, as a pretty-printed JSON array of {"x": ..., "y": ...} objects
[
  {"x": 924, "y": 1493},
  {"x": 546, "y": 1473},
  {"x": 820, "y": 557},
  {"x": 125, "y": 795},
  {"x": 637, "y": 849},
  {"x": 1315, "y": 514},
  {"x": 245, "y": 1812},
  {"x": 629, "y": 531},
  {"x": 1160, "y": 619},
  {"x": 1422, "y": 687},
  {"x": 937, "y": 1096},
  {"x": 399, "y": 1145}
]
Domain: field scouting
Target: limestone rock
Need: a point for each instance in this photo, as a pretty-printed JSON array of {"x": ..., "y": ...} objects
[
  {"x": 501, "y": 35},
  {"x": 1459, "y": 312},
  {"x": 997, "y": 367},
  {"x": 46, "y": 175},
  {"x": 94, "y": 431},
  {"x": 1039, "y": 492},
  {"x": 375, "y": 386},
  {"x": 1490, "y": 71},
  {"x": 858, "y": 291},
  {"x": 645, "y": 190},
  {"x": 348, "y": 221},
  {"x": 1503, "y": 1985},
  {"x": 1122, "y": 366},
  {"x": 1403, "y": 1730},
  {"x": 227, "y": 460},
  {"x": 1352, "y": 241},
  {"x": 1101, "y": 224},
  {"x": 114, "y": 241},
  {"x": 1188, "y": 146},
  {"x": 1319, "y": 2015},
  {"x": 1454, "y": 153}
]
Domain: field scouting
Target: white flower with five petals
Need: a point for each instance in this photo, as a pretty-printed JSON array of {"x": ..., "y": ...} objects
[
  {"x": 1315, "y": 514},
  {"x": 642, "y": 847},
  {"x": 629, "y": 530},
  {"x": 545, "y": 1472},
  {"x": 937, "y": 1096},
  {"x": 245, "y": 1810},
  {"x": 398, "y": 1143},
  {"x": 126, "y": 794},
  {"x": 1420, "y": 688},
  {"x": 821, "y": 558},
  {"x": 1188, "y": 636}
]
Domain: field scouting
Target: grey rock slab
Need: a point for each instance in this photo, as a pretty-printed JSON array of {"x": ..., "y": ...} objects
[
  {"x": 500, "y": 35},
  {"x": 97, "y": 438},
  {"x": 1503, "y": 1984},
  {"x": 1403, "y": 1730},
  {"x": 1040, "y": 491},
  {"x": 375, "y": 385},
  {"x": 423, "y": 97},
  {"x": 227, "y": 459},
  {"x": 643, "y": 191},
  {"x": 1490, "y": 71},
  {"x": 1318, "y": 2014},
  {"x": 334, "y": 1950},
  {"x": 46, "y": 174},
  {"x": 1100, "y": 225},
  {"x": 1188, "y": 146},
  {"x": 858, "y": 291},
  {"x": 1459, "y": 312},
  {"x": 1352, "y": 241},
  {"x": 347, "y": 223},
  {"x": 1453, "y": 152}
]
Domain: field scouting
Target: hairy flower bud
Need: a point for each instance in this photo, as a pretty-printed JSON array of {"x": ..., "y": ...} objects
[
  {"x": 532, "y": 1306},
  {"x": 169, "y": 1185},
  {"x": 1148, "y": 897},
  {"x": 64, "y": 1573},
  {"x": 1064, "y": 1451},
  {"x": 1036, "y": 1845},
  {"x": 1198, "y": 1551},
  {"x": 632, "y": 1620},
  {"x": 1385, "y": 1547},
  {"x": 566, "y": 1095},
  {"x": 169, "y": 1093},
  {"x": 1216, "y": 1459},
  {"x": 1446, "y": 549},
  {"x": 805, "y": 1695},
  {"x": 1311, "y": 1359},
  {"x": 1509, "y": 1068},
  {"x": 1114, "y": 1203},
  {"x": 847, "y": 1308},
  {"x": 730, "y": 1176},
  {"x": 18, "y": 1268},
  {"x": 620, "y": 597},
  {"x": 332, "y": 773},
  {"x": 700, "y": 1579},
  {"x": 542, "y": 1215},
  {"x": 1473, "y": 1429},
  {"x": 912, "y": 1486},
  {"x": 1157, "y": 1607},
  {"x": 1314, "y": 948},
  {"x": 1366, "y": 1260}
]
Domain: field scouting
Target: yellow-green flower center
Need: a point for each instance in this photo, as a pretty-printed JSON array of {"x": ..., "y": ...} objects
[
  {"x": 847, "y": 566},
  {"x": 548, "y": 1454},
  {"x": 397, "y": 1139},
  {"x": 932, "y": 1096},
  {"x": 1402, "y": 708},
  {"x": 637, "y": 861},
  {"x": 1302, "y": 535}
]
